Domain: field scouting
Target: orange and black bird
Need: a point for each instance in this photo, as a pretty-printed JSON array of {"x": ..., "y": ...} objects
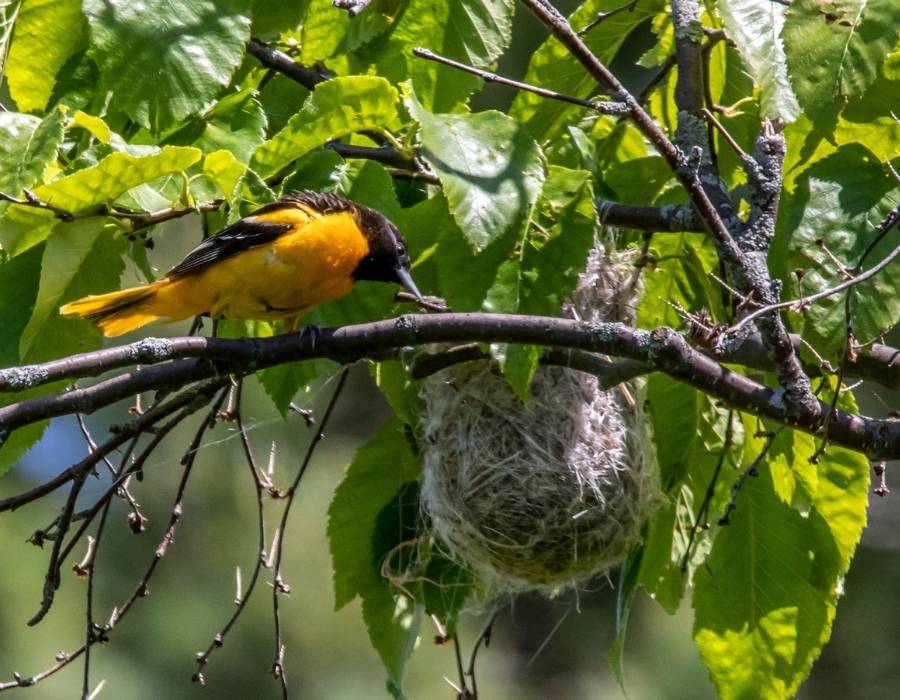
[{"x": 277, "y": 263}]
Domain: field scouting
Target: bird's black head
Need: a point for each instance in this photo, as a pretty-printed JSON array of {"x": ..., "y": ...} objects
[{"x": 388, "y": 258}]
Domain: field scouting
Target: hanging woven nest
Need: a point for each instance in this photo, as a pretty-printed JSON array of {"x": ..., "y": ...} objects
[{"x": 549, "y": 493}]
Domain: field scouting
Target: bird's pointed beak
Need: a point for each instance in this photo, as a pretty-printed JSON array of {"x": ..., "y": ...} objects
[{"x": 404, "y": 278}]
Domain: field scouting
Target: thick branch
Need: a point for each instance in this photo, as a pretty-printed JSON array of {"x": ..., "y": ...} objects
[
  {"x": 702, "y": 184},
  {"x": 672, "y": 217},
  {"x": 663, "y": 350}
]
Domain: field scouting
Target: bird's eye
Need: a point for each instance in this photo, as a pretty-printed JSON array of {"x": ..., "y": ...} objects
[{"x": 401, "y": 251}]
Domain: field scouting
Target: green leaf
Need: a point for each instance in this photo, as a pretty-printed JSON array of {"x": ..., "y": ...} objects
[
  {"x": 472, "y": 31},
  {"x": 546, "y": 272},
  {"x": 97, "y": 128},
  {"x": 78, "y": 259},
  {"x": 282, "y": 382},
  {"x": 445, "y": 587},
  {"x": 625, "y": 596},
  {"x": 393, "y": 625},
  {"x": 223, "y": 170},
  {"x": 370, "y": 184},
  {"x": 336, "y": 108},
  {"x": 463, "y": 277},
  {"x": 19, "y": 278},
  {"x": 166, "y": 59},
  {"x": 250, "y": 193},
  {"x": 27, "y": 146},
  {"x": 390, "y": 616},
  {"x": 47, "y": 34},
  {"x": 237, "y": 124},
  {"x": 553, "y": 66},
  {"x": 765, "y": 600},
  {"x": 271, "y": 18},
  {"x": 689, "y": 434},
  {"x": 838, "y": 204},
  {"x": 14, "y": 446},
  {"x": 113, "y": 176},
  {"x": 316, "y": 170},
  {"x": 110, "y": 178},
  {"x": 9, "y": 11},
  {"x": 377, "y": 472},
  {"x": 835, "y": 50},
  {"x": 490, "y": 169},
  {"x": 324, "y": 27},
  {"x": 401, "y": 392},
  {"x": 637, "y": 180},
  {"x": 755, "y": 27},
  {"x": 680, "y": 275},
  {"x": 370, "y": 24}
]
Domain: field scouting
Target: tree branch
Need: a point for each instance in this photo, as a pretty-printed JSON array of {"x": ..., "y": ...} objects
[
  {"x": 672, "y": 217},
  {"x": 284, "y": 64},
  {"x": 695, "y": 173},
  {"x": 663, "y": 350}
]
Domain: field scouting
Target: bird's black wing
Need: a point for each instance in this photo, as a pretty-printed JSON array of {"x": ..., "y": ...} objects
[{"x": 231, "y": 240}]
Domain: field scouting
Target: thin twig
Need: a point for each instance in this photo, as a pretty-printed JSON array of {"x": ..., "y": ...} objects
[
  {"x": 136, "y": 519},
  {"x": 52, "y": 579},
  {"x": 804, "y": 302},
  {"x": 278, "y": 585},
  {"x": 462, "y": 692},
  {"x": 242, "y": 597},
  {"x": 484, "y": 639},
  {"x": 700, "y": 522},
  {"x": 752, "y": 470},
  {"x": 138, "y": 219},
  {"x": 601, "y": 106},
  {"x": 603, "y": 16},
  {"x": 141, "y": 588}
]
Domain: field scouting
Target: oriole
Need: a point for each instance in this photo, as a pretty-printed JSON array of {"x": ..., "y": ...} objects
[{"x": 276, "y": 263}]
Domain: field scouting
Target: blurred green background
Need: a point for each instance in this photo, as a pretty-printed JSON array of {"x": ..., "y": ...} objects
[{"x": 540, "y": 648}]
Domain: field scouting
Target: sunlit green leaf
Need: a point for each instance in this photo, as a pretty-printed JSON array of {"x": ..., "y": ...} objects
[
  {"x": 47, "y": 33},
  {"x": 835, "y": 210},
  {"x": 27, "y": 146},
  {"x": 755, "y": 27},
  {"x": 79, "y": 259},
  {"x": 490, "y": 169},
  {"x": 165, "y": 60},
  {"x": 336, "y": 108},
  {"x": 83, "y": 189},
  {"x": 224, "y": 171},
  {"x": 689, "y": 432},
  {"x": 471, "y": 31},
  {"x": 765, "y": 600},
  {"x": 835, "y": 49},
  {"x": 324, "y": 27}
]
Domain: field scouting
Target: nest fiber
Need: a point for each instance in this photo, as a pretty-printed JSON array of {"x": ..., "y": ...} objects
[{"x": 544, "y": 494}]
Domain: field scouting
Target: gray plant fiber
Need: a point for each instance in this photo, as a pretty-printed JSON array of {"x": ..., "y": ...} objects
[{"x": 547, "y": 494}]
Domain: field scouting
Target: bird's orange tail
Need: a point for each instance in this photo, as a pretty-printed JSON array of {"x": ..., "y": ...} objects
[{"x": 117, "y": 312}]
